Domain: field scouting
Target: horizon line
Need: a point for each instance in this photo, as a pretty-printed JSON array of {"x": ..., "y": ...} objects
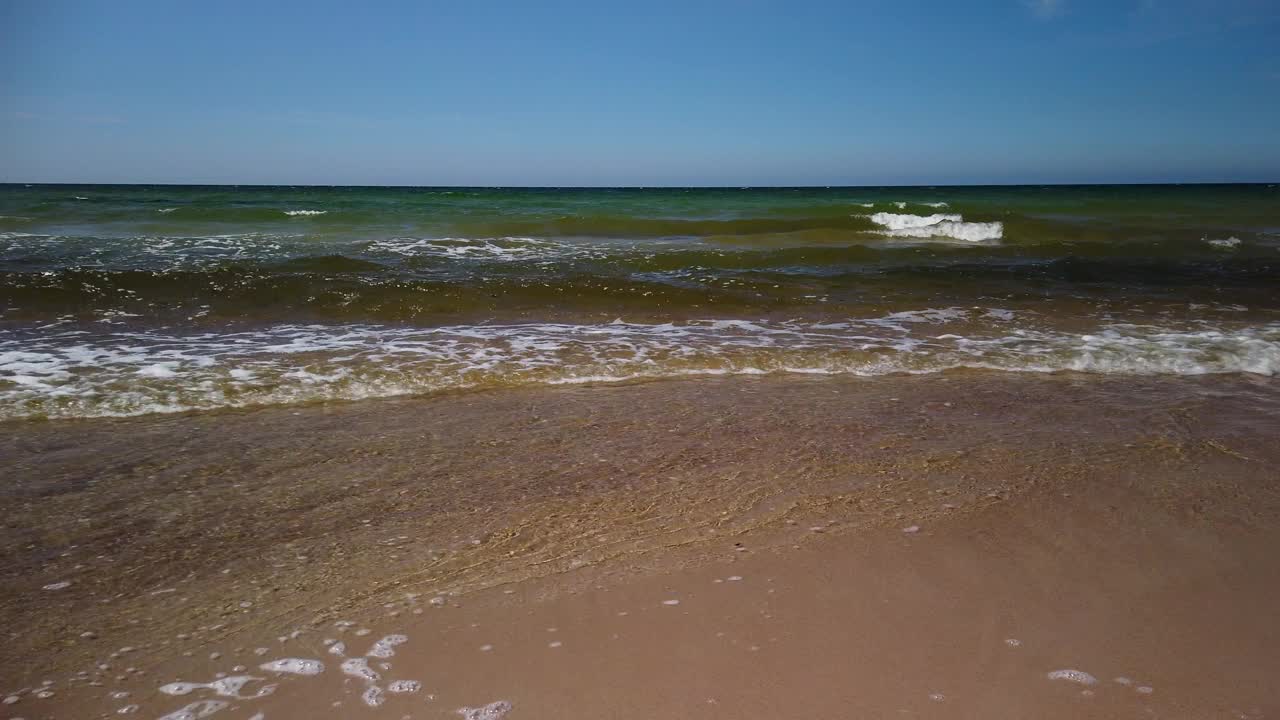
[{"x": 1268, "y": 183}]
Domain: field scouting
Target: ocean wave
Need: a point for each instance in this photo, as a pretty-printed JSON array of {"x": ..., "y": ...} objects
[
  {"x": 60, "y": 373},
  {"x": 500, "y": 249},
  {"x": 899, "y": 221},
  {"x": 937, "y": 225},
  {"x": 166, "y": 210},
  {"x": 305, "y": 213},
  {"x": 1228, "y": 243}
]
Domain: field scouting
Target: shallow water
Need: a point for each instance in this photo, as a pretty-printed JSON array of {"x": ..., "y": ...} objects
[{"x": 190, "y": 551}]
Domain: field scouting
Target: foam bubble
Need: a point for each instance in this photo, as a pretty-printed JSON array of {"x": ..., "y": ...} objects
[
  {"x": 1076, "y": 676},
  {"x": 294, "y": 666},
  {"x": 404, "y": 686},
  {"x": 304, "y": 213},
  {"x": 229, "y": 686},
  {"x": 196, "y": 710},
  {"x": 359, "y": 668},
  {"x": 373, "y": 696},
  {"x": 493, "y": 711},
  {"x": 385, "y": 647},
  {"x": 1227, "y": 243}
]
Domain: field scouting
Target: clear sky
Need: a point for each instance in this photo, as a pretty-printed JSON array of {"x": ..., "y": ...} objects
[{"x": 593, "y": 92}]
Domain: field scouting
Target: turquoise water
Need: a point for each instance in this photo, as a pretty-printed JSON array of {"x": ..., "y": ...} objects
[{"x": 132, "y": 299}]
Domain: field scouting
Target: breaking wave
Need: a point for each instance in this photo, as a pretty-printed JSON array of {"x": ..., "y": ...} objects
[
  {"x": 58, "y": 373},
  {"x": 937, "y": 225}
]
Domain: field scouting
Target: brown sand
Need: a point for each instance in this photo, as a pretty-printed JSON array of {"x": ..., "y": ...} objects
[{"x": 1123, "y": 528}]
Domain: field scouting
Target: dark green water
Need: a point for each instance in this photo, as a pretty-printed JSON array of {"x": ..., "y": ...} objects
[{"x": 128, "y": 299}]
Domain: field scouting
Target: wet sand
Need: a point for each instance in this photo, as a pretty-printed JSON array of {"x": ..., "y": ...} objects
[{"x": 896, "y": 547}]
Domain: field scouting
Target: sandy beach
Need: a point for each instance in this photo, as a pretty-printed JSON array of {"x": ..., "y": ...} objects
[
  {"x": 962, "y": 545},
  {"x": 640, "y": 361}
]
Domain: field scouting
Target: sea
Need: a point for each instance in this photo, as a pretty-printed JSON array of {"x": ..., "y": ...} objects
[{"x": 119, "y": 300}]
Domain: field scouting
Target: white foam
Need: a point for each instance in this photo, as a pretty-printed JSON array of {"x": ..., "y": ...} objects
[
  {"x": 304, "y": 213},
  {"x": 225, "y": 687},
  {"x": 898, "y": 221},
  {"x": 58, "y": 585},
  {"x": 373, "y": 696},
  {"x": 158, "y": 370},
  {"x": 359, "y": 668},
  {"x": 196, "y": 710},
  {"x": 1076, "y": 676},
  {"x": 385, "y": 647},
  {"x": 493, "y": 711},
  {"x": 938, "y": 225},
  {"x": 74, "y": 373},
  {"x": 966, "y": 231},
  {"x": 166, "y": 210},
  {"x": 404, "y": 686},
  {"x": 1230, "y": 242},
  {"x": 294, "y": 666},
  {"x": 499, "y": 249}
]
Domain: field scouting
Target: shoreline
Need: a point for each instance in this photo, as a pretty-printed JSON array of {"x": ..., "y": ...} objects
[{"x": 571, "y": 497}]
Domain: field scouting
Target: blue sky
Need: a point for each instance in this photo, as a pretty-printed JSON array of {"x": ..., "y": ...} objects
[{"x": 626, "y": 93}]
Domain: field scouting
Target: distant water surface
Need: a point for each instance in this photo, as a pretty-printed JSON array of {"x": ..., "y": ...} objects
[{"x": 123, "y": 300}]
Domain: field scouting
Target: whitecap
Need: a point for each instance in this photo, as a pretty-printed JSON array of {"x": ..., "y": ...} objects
[{"x": 937, "y": 225}]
